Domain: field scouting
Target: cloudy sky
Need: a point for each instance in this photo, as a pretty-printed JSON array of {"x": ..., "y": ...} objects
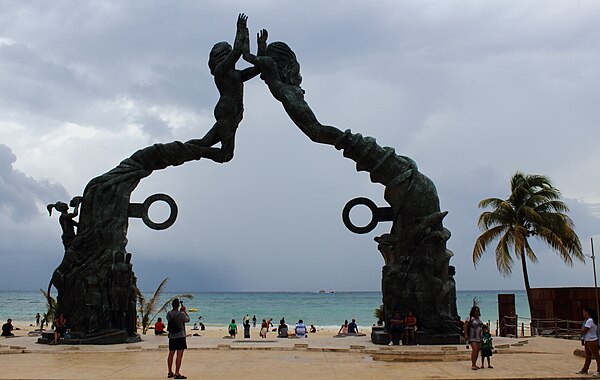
[{"x": 471, "y": 90}]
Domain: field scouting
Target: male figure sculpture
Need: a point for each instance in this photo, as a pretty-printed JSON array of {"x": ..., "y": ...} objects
[{"x": 230, "y": 83}]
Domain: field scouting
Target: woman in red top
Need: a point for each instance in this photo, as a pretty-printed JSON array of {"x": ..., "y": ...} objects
[
  {"x": 410, "y": 327},
  {"x": 159, "y": 327},
  {"x": 264, "y": 328}
]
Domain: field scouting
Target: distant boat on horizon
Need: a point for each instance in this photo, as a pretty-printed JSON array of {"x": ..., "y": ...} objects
[{"x": 327, "y": 291}]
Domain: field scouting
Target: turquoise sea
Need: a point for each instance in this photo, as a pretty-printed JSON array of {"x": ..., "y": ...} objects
[{"x": 314, "y": 308}]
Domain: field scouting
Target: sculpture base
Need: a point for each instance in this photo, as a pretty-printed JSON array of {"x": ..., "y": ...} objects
[
  {"x": 106, "y": 337},
  {"x": 380, "y": 336},
  {"x": 438, "y": 339}
]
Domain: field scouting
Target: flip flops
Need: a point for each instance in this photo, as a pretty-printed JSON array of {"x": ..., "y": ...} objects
[
  {"x": 180, "y": 376},
  {"x": 170, "y": 375}
]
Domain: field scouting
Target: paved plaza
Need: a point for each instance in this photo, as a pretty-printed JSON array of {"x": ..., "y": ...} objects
[{"x": 322, "y": 358}]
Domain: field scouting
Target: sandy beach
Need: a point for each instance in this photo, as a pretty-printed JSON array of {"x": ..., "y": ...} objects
[
  {"x": 27, "y": 330},
  {"x": 213, "y": 354}
]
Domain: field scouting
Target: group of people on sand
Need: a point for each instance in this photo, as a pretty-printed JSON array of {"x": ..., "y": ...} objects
[
  {"x": 403, "y": 328},
  {"x": 60, "y": 328},
  {"x": 283, "y": 331},
  {"x": 349, "y": 328}
]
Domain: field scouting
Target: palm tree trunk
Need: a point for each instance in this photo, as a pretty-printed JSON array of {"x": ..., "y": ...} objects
[{"x": 527, "y": 286}]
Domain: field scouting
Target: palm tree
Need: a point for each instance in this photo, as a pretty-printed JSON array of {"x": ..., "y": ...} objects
[
  {"x": 148, "y": 308},
  {"x": 533, "y": 209}
]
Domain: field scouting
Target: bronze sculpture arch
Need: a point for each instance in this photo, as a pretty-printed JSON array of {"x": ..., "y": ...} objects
[{"x": 95, "y": 280}]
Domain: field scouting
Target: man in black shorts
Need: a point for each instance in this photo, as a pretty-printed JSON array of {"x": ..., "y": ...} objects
[{"x": 176, "y": 319}]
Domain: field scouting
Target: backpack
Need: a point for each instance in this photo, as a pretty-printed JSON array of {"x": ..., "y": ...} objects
[{"x": 173, "y": 327}]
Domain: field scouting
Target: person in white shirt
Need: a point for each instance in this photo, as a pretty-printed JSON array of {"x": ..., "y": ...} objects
[
  {"x": 300, "y": 329},
  {"x": 589, "y": 332}
]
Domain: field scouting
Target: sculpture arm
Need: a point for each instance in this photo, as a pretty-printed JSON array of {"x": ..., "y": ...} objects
[
  {"x": 251, "y": 72},
  {"x": 75, "y": 202},
  {"x": 230, "y": 60}
]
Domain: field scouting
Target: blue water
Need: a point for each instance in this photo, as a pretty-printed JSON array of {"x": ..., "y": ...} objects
[{"x": 314, "y": 308}]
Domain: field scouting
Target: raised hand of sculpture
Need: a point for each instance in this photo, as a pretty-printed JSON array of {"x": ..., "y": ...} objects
[
  {"x": 66, "y": 219},
  {"x": 230, "y": 83}
]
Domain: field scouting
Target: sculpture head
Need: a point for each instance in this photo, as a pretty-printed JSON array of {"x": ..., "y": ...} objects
[
  {"x": 61, "y": 207},
  {"x": 475, "y": 312},
  {"x": 217, "y": 54},
  {"x": 451, "y": 270},
  {"x": 287, "y": 64}
]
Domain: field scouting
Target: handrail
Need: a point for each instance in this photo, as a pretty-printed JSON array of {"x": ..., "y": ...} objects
[{"x": 557, "y": 327}]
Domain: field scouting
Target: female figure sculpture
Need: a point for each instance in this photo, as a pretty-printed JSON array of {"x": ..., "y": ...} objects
[{"x": 416, "y": 259}]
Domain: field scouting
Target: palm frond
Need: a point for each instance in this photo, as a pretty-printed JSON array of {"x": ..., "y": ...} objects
[
  {"x": 504, "y": 260},
  {"x": 168, "y": 303},
  {"x": 530, "y": 254},
  {"x": 484, "y": 240},
  {"x": 500, "y": 216},
  {"x": 490, "y": 202},
  {"x": 148, "y": 307}
]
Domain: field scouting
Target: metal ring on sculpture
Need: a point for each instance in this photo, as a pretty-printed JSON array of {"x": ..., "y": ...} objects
[
  {"x": 140, "y": 210},
  {"x": 172, "y": 216},
  {"x": 378, "y": 214},
  {"x": 346, "y": 215}
]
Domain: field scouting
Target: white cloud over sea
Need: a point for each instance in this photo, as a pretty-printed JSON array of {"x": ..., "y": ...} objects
[{"x": 472, "y": 91}]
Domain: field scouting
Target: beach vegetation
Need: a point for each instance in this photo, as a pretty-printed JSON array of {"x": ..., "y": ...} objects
[
  {"x": 379, "y": 314},
  {"x": 50, "y": 309},
  {"x": 148, "y": 308},
  {"x": 532, "y": 210}
]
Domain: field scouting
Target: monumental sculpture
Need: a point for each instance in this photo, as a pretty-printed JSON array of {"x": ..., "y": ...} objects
[{"x": 95, "y": 281}]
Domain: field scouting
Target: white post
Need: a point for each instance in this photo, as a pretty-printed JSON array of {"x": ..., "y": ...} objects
[{"x": 595, "y": 278}]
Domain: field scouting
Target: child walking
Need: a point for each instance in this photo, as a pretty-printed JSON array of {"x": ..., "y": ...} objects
[{"x": 486, "y": 347}]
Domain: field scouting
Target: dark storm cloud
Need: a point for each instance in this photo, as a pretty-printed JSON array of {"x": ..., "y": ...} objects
[
  {"x": 20, "y": 195},
  {"x": 471, "y": 91}
]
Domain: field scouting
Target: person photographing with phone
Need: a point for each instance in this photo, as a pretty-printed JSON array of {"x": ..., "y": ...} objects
[{"x": 176, "y": 319}]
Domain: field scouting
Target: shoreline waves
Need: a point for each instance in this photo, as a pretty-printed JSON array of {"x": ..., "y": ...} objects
[{"x": 321, "y": 309}]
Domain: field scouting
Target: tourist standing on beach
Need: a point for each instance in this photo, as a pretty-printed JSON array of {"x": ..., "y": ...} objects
[
  {"x": 247, "y": 329},
  {"x": 474, "y": 334},
  {"x": 176, "y": 318},
  {"x": 486, "y": 347},
  {"x": 254, "y": 321},
  {"x": 37, "y": 319},
  {"x": 264, "y": 328},
  {"x": 590, "y": 340},
  {"x": 232, "y": 329},
  {"x": 246, "y": 318}
]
